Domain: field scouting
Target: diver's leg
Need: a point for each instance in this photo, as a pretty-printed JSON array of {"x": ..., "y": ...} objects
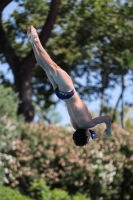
[
  {"x": 50, "y": 77},
  {"x": 54, "y": 84},
  {"x": 61, "y": 78}
]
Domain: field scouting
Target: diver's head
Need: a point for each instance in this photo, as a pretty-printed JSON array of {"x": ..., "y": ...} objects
[{"x": 81, "y": 137}]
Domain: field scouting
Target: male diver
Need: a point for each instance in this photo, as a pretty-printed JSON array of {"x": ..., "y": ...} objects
[{"x": 80, "y": 116}]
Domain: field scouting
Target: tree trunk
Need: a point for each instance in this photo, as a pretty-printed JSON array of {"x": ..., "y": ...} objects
[
  {"x": 22, "y": 70},
  {"x": 102, "y": 103},
  {"x": 116, "y": 106},
  {"x": 23, "y": 87},
  {"x": 103, "y": 88},
  {"x": 117, "y": 103},
  {"x": 122, "y": 102}
]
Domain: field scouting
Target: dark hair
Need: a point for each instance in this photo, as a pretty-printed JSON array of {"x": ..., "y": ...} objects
[{"x": 79, "y": 137}]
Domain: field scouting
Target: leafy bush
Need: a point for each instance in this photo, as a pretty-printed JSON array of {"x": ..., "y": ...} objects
[
  {"x": 7, "y": 193},
  {"x": 41, "y": 191},
  {"x": 10, "y": 127},
  {"x": 9, "y": 124},
  {"x": 103, "y": 168},
  {"x": 8, "y": 102}
]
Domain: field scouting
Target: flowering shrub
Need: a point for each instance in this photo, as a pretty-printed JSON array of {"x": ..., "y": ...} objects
[
  {"x": 10, "y": 128},
  {"x": 103, "y": 168}
]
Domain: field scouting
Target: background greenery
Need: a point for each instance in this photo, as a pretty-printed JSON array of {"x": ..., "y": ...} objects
[
  {"x": 10, "y": 125},
  {"x": 102, "y": 169},
  {"x": 42, "y": 193},
  {"x": 90, "y": 40},
  {"x": 7, "y": 193}
]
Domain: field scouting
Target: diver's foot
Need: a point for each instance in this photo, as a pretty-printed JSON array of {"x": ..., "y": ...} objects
[{"x": 32, "y": 35}]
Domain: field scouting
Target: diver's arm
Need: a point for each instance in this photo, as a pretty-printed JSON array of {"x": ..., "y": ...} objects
[
  {"x": 98, "y": 120},
  {"x": 74, "y": 125},
  {"x": 73, "y": 122}
]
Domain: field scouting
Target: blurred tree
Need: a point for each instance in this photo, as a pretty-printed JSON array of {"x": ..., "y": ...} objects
[
  {"x": 13, "y": 40},
  {"x": 49, "y": 115},
  {"x": 89, "y": 39}
]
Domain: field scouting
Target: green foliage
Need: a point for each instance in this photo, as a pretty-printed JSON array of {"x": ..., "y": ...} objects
[
  {"x": 90, "y": 39},
  {"x": 102, "y": 169},
  {"x": 79, "y": 196},
  {"x": 28, "y": 12},
  {"x": 7, "y": 193},
  {"x": 42, "y": 192},
  {"x": 49, "y": 115},
  {"x": 129, "y": 124},
  {"x": 10, "y": 127},
  {"x": 98, "y": 46},
  {"x": 8, "y": 102}
]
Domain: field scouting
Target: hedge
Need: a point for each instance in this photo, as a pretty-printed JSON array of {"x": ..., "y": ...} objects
[
  {"x": 7, "y": 193},
  {"x": 41, "y": 192},
  {"x": 102, "y": 169}
]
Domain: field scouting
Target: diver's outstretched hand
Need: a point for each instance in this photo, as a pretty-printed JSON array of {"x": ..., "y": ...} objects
[
  {"x": 108, "y": 132},
  {"x": 32, "y": 35}
]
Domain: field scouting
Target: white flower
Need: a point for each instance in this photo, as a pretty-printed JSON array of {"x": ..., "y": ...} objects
[
  {"x": 6, "y": 180},
  {"x": 94, "y": 166},
  {"x": 99, "y": 161},
  {"x": 6, "y": 170},
  {"x": 92, "y": 151},
  {"x": 99, "y": 154},
  {"x": 1, "y": 163}
]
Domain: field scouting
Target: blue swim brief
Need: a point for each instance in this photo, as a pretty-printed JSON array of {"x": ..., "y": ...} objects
[{"x": 64, "y": 95}]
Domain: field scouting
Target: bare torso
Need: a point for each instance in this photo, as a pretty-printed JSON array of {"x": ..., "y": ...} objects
[{"x": 78, "y": 111}]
